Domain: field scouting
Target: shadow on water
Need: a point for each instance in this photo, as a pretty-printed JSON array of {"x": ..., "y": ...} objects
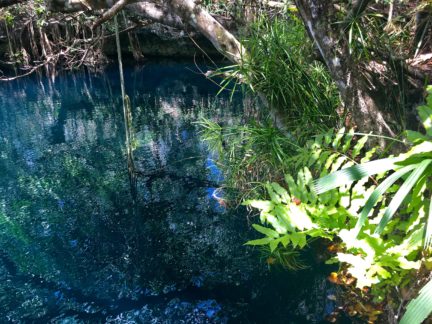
[{"x": 76, "y": 246}]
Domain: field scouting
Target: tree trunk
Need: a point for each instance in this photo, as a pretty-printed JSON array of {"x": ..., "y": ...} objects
[
  {"x": 194, "y": 15},
  {"x": 324, "y": 27}
]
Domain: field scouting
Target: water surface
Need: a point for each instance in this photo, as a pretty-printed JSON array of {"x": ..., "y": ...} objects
[{"x": 76, "y": 246}]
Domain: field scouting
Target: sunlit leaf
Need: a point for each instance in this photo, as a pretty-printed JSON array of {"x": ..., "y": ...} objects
[
  {"x": 266, "y": 231},
  {"x": 263, "y": 205},
  {"x": 356, "y": 172},
  {"x": 401, "y": 194},
  {"x": 263, "y": 241},
  {"x": 428, "y": 234},
  {"x": 415, "y": 137},
  {"x": 358, "y": 147},
  {"x": 425, "y": 114},
  {"x": 377, "y": 193},
  {"x": 420, "y": 308},
  {"x": 281, "y": 192}
]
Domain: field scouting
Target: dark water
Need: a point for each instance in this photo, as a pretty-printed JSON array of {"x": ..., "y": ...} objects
[{"x": 76, "y": 248}]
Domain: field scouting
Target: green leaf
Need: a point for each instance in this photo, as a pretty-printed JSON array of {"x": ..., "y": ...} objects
[
  {"x": 338, "y": 137},
  {"x": 412, "y": 242},
  {"x": 377, "y": 193},
  {"x": 359, "y": 145},
  {"x": 425, "y": 114},
  {"x": 356, "y": 172},
  {"x": 284, "y": 240},
  {"x": 419, "y": 309},
  {"x": 298, "y": 239},
  {"x": 348, "y": 139},
  {"x": 266, "y": 231},
  {"x": 299, "y": 218},
  {"x": 278, "y": 224},
  {"x": 263, "y": 205},
  {"x": 281, "y": 192},
  {"x": 273, "y": 245},
  {"x": 293, "y": 188},
  {"x": 415, "y": 137},
  {"x": 273, "y": 196},
  {"x": 428, "y": 234},
  {"x": 401, "y": 194},
  {"x": 263, "y": 241}
]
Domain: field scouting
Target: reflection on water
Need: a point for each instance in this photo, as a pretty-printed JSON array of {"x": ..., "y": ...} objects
[{"x": 75, "y": 247}]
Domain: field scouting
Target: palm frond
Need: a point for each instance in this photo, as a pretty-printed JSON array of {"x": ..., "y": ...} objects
[
  {"x": 377, "y": 193},
  {"x": 419, "y": 309},
  {"x": 428, "y": 234},
  {"x": 401, "y": 194},
  {"x": 354, "y": 173}
]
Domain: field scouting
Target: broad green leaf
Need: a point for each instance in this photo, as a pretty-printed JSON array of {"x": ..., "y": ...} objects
[
  {"x": 419, "y": 309},
  {"x": 281, "y": 212},
  {"x": 359, "y": 268},
  {"x": 299, "y": 218},
  {"x": 378, "y": 192},
  {"x": 416, "y": 137},
  {"x": 263, "y": 205},
  {"x": 348, "y": 139},
  {"x": 274, "y": 244},
  {"x": 338, "y": 137},
  {"x": 284, "y": 240},
  {"x": 281, "y": 192},
  {"x": 428, "y": 232},
  {"x": 401, "y": 194},
  {"x": 263, "y": 241},
  {"x": 411, "y": 243},
  {"x": 356, "y": 172},
  {"x": 265, "y": 230},
  {"x": 298, "y": 239},
  {"x": 358, "y": 147},
  {"x": 292, "y": 186},
  {"x": 380, "y": 271},
  {"x": 425, "y": 114},
  {"x": 273, "y": 196},
  {"x": 408, "y": 265},
  {"x": 421, "y": 150},
  {"x": 316, "y": 232},
  {"x": 338, "y": 163},
  {"x": 279, "y": 226}
]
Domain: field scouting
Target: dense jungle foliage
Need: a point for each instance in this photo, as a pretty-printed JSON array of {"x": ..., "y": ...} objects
[{"x": 369, "y": 204}]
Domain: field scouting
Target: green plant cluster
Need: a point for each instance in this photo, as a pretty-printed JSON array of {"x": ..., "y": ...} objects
[
  {"x": 248, "y": 153},
  {"x": 279, "y": 67},
  {"x": 379, "y": 210},
  {"x": 295, "y": 213}
]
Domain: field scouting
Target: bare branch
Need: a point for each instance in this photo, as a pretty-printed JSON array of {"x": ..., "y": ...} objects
[{"x": 111, "y": 12}]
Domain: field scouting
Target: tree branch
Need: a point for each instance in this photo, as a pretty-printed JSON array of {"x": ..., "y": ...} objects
[
  {"x": 156, "y": 13},
  {"x": 111, "y": 12},
  {"x": 201, "y": 20}
]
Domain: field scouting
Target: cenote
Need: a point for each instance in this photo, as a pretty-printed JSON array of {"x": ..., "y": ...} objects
[{"x": 79, "y": 245}]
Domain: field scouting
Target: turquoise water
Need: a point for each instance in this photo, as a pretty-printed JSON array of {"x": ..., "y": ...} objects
[{"x": 80, "y": 244}]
